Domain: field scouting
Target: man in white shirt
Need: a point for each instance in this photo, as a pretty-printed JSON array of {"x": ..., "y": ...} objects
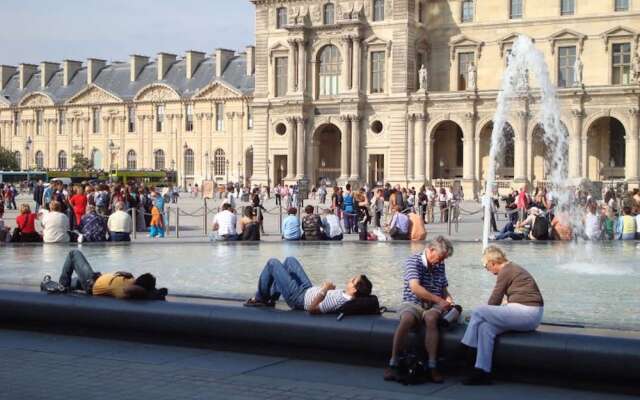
[
  {"x": 120, "y": 225},
  {"x": 331, "y": 229},
  {"x": 55, "y": 225},
  {"x": 225, "y": 223}
]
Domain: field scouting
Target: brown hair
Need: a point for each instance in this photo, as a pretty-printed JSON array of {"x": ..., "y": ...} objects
[{"x": 55, "y": 206}]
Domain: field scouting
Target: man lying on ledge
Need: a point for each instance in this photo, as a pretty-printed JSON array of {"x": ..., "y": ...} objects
[
  {"x": 121, "y": 285},
  {"x": 290, "y": 281}
]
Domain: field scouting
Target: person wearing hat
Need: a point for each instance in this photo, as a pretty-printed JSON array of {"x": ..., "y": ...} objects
[{"x": 522, "y": 311}]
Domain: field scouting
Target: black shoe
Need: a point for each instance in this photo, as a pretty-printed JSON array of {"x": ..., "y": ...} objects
[
  {"x": 478, "y": 378},
  {"x": 391, "y": 373},
  {"x": 50, "y": 286}
]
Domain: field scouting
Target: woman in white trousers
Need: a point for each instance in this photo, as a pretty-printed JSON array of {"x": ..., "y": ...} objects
[{"x": 522, "y": 311}]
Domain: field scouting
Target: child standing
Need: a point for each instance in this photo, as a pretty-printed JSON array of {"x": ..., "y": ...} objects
[{"x": 156, "y": 226}]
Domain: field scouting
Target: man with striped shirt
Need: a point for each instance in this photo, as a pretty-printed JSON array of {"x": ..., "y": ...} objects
[
  {"x": 425, "y": 298},
  {"x": 289, "y": 280}
]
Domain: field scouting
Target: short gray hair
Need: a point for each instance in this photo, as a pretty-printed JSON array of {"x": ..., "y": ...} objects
[
  {"x": 120, "y": 205},
  {"x": 441, "y": 245}
]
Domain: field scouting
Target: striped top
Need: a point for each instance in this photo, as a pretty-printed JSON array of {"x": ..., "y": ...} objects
[
  {"x": 433, "y": 279},
  {"x": 331, "y": 303}
]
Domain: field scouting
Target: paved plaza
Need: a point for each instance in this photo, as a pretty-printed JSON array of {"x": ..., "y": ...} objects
[{"x": 51, "y": 366}]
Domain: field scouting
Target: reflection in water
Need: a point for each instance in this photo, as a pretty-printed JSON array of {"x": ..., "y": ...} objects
[{"x": 579, "y": 282}]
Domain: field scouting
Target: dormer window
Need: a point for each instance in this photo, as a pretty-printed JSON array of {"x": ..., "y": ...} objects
[
  {"x": 281, "y": 17},
  {"x": 329, "y": 14},
  {"x": 378, "y": 10}
]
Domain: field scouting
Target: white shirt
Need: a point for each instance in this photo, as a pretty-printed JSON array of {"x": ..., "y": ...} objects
[
  {"x": 331, "y": 302},
  {"x": 119, "y": 221},
  {"x": 226, "y": 221},
  {"x": 638, "y": 223},
  {"x": 56, "y": 227},
  {"x": 592, "y": 226},
  {"x": 331, "y": 225}
]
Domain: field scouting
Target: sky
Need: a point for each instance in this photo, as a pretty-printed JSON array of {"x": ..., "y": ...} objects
[{"x": 33, "y": 31}]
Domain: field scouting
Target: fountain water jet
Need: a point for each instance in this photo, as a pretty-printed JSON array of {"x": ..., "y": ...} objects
[{"x": 525, "y": 59}]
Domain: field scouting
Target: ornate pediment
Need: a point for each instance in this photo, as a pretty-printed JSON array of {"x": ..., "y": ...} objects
[
  {"x": 4, "y": 102},
  {"x": 94, "y": 95},
  {"x": 462, "y": 41},
  {"x": 567, "y": 35},
  {"x": 507, "y": 41},
  {"x": 618, "y": 32},
  {"x": 157, "y": 93},
  {"x": 36, "y": 100},
  {"x": 217, "y": 90}
]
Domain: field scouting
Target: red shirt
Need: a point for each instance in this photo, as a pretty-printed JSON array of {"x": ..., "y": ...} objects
[
  {"x": 26, "y": 222},
  {"x": 79, "y": 202}
]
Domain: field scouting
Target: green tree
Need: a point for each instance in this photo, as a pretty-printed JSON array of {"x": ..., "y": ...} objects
[
  {"x": 8, "y": 160},
  {"x": 80, "y": 162}
]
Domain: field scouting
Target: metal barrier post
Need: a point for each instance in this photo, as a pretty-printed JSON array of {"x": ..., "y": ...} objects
[
  {"x": 177, "y": 222},
  {"x": 457, "y": 217},
  {"x": 449, "y": 217},
  {"x": 205, "y": 217},
  {"x": 280, "y": 219},
  {"x": 168, "y": 219},
  {"x": 134, "y": 222}
]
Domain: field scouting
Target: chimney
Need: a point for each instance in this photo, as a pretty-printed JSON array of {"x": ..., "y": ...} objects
[
  {"x": 164, "y": 62},
  {"x": 47, "y": 69},
  {"x": 137, "y": 63},
  {"x": 222, "y": 59},
  {"x": 251, "y": 60},
  {"x": 194, "y": 58},
  {"x": 94, "y": 66},
  {"x": 26, "y": 72},
  {"x": 70, "y": 67},
  {"x": 6, "y": 72}
]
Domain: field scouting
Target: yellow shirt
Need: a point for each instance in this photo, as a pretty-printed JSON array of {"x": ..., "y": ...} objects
[
  {"x": 628, "y": 224},
  {"x": 111, "y": 285}
]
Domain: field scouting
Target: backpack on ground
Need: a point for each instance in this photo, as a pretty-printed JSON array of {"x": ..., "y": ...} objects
[
  {"x": 540, "y": 228},
  {"x": 411, "y": 370}
]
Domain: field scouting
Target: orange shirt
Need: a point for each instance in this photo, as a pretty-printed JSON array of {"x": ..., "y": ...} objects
[
  {"x": 156, "y": 217},
  {"x": 417, "y": 227},
  {"x": 111, "y": 285}
]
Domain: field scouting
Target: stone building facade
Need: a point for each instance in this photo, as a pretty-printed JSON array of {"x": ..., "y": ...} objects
[
  {"x": 189, "y": 115},
  {"x": 338, "y": 92}
]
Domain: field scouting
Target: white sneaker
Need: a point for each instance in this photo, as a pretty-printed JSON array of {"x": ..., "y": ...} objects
[{"x": 80, "y": 238}]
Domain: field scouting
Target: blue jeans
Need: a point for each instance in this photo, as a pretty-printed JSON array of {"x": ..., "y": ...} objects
[
  {"x": 288, "y": 280},
  {"x": 120, "y": 237},
  {"x": 76, "y": 262},
  {"x": 508, "y": 232}
]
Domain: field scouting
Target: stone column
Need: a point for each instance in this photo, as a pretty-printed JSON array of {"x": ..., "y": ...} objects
[
  {"x": 300, "y": 150},
  {"x": 85, "y": 141},
  {"x": 411, "y": 121},
  {"x": 357, "y": 63},
  {"x": 520, "y": 149},
  {"x": 419, "y": 136},
  {"x": 345, "y": 140},
  {"x": 631, "y": 142},
  {"x": 477, "y": 159},
  {"x": 291, "y": 147},
  {"x": 468, "y": 144},
  {"x": 355, "y": 148},
  {"x": 574, "y": 145},
  {"x": 291, "y": 72},
  {"x": 429, "y": 161},
  {"x": 345, "y": 79},
  {"x": 302, "y": 66},
  {"x": 585, "y": 155},
  {"x": 238, "y": 139}
]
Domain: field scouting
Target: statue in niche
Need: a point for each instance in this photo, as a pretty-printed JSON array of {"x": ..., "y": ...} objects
[
  {"x": 472, "y": 76},
  {"x": 423, "y": 78},
  {"x": 635, "y": 67},
  {"x": 577, "y": 72}
]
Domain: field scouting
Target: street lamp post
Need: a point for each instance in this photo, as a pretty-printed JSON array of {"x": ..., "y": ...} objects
[
  {"x": 206, "y": 165},
  {"x": 211, "y": 166},
  {"x": 268, "y": 172},
  {"x": 27, "y": 147},
  {"x": 112, "y": 151},
  {"x": 239, "y": 164},
  {"x": 227, "y": 170}
]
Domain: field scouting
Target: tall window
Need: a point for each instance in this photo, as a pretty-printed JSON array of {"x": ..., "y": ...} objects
[
  {"x": 281, "y": 76},
  {"x": 16, "y": 122},
  {"x": 281, "y": 17},
  {"x": 567, "y": 7},
  {"x": 250, "y": 117},
  {"x": 158, "y": 159},
  {"x": 39, "y": 122},
  {"x": 159, "y": 117},
  {"x": 95, "y": 116},
  {"x": 377, "y": 72},
  {"x": 131, "y": 115},
  {"x": 131, "y": 159},
  {"x": 621, "y": 63},
  {"x": 467, "y": 10},
  {"x": 421, "y": 12},
  {"x": 18, "y": 158},
  {"x": 515, "y": 9},
  {"x": 219, "y": 116},
  {"x": 464, "y": 59},
  {"x": 566, "y": 63},
  {"x": 220, "y": 162},
  {"x": 61, "y": 117},
  {"x": 188, "y": 162},
  {"x": 96, "y": 159},
  {"x": 39, "y": 160},
  {"x": 189, "y": 119},
  {"x": 329, "y": 14},
  {"x": 62, "y": 160},
  {"x": 329, "y": 71},
  {"x": 622, "y": 5},
  {"x": 378, "y": 10}
]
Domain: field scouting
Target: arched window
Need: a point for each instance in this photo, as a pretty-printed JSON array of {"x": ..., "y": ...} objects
[
  {"x": 378, "y": 10},
  {"x": 131, "y": 160},
  {"x": 329, "y": 14},
  {"x": 96, "y": 159},
  {"x": 158, "y": 159},
  {"x": 221, "y": 162},
  {"x": 39, "y": 160},
  {"x": 62, "y": 160},
  {"x": 188, "y": 162},
  {"x": 329, "y": 71},
  {"x": 18, "y": 159}
]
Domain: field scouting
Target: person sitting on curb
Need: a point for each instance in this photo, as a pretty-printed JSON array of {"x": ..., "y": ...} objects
[
  {"x": 331, "y": 229},
  {"x": 290, "y": 281},
  {"x": 55, "y": 225},
  {"x": 311, "y": 224},
  {"x": 291, "y": 225},
  {"x": 120, "y": 224},
  {"x": 425, "y": 299},
  {"x": 121, "y": 285},
  {"x": 225, "y": 223},
  {"x": 399, "y": 225},
  {"x": 522, "y": 312},
  {"x": 93, "y": 227}
]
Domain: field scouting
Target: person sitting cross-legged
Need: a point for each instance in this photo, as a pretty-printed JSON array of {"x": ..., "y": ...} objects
[
  {"x": 121, "y": 285},
  {"x": 289, "y": 280}
]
